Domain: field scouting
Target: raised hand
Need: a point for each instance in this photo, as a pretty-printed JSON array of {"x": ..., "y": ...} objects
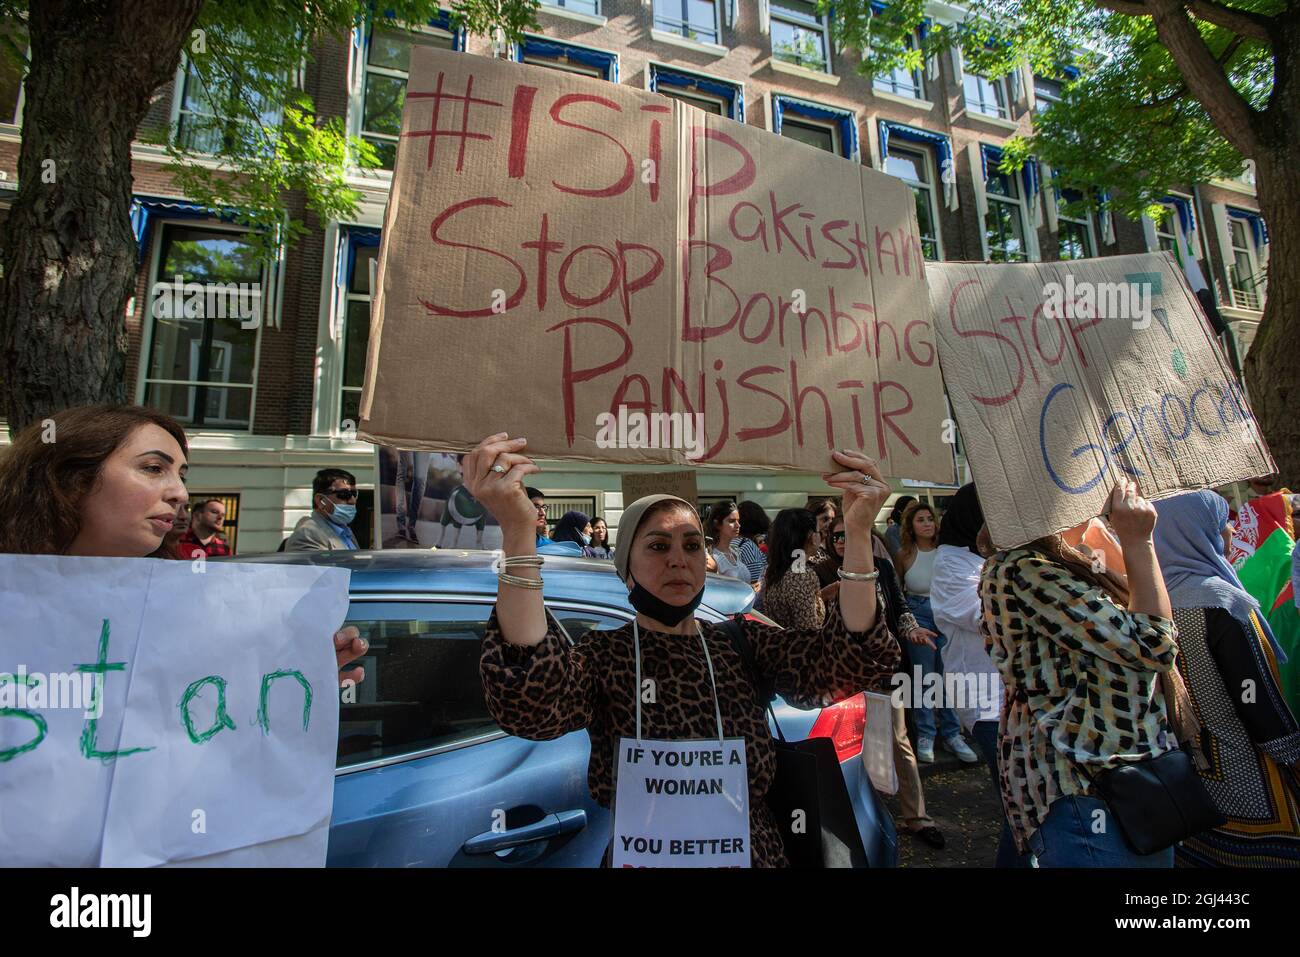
[
  {"x": 1131, "y": 516},
  {"x": 865, "y": 489},
  {"x": 494, "y": 474}
]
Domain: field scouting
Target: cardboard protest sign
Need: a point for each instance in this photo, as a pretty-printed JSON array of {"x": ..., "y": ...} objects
[
  {"x": 621, "y": 277},
  {"x": 1065, "y": 376},
  {"x": 166, "y": 713},
  {"x": 640, "y": 484}
]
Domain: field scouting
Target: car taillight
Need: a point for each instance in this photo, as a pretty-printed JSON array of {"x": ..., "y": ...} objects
[
  {"x": 844, "y": 723},
  {"x": 760, "y": 618}
]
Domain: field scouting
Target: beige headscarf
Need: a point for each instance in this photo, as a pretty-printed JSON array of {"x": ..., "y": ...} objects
[{"x": 629, "y": 522}]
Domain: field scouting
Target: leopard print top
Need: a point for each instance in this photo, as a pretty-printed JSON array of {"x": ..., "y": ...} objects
[{"x": 554, "y": 688}]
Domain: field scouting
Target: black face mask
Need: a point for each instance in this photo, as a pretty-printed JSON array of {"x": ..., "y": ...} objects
[{"x": 654, "y": 607}]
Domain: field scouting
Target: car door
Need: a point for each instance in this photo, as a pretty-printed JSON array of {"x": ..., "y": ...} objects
[{"x": 425, "y": 776}]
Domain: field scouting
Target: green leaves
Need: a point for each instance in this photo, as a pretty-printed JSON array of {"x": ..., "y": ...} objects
[
  {"x": 1128, "y": 124},
  {"x": 249, "y": 137}
]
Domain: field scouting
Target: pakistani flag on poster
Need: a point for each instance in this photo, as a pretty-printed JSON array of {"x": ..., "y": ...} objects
[{"x": 1261, "y": 552}]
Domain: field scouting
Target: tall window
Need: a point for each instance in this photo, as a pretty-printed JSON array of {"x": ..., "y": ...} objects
[
  {"x": 916, "y": 169},
  {"x": 1246, "y": 275},
  {"x": 204, "y": 121},
  {"x": 203, "y": 347},
  {"x": 1004, "y": 224},
  {"x": 900, "y": 80},
  {"x": 1073, "y": 234},
  {"x": 799, "y": 35},
  {"x": 692, "y": 19},
  {"x": 986, "y": 96},
  {"x": 383, "y": 89},
  {"x": 1167, "y": 230},
  {"x": 356, "y": 329}
]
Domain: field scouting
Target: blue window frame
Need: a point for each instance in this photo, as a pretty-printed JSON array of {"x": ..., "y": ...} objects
[
  {"x": 701, "y": 91},
  {"x": 568, "y": 56},
  {"x": 804, "y": 121}
]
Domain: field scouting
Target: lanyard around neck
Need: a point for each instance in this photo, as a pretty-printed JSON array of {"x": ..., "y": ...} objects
[{"x": 708, "y": 660}]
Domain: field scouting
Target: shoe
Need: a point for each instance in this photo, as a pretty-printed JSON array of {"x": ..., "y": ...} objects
[
  {"x": 930, "y": 835},
  {"x": 925, "y": 750},
  {"x": 960, "y": 748}
]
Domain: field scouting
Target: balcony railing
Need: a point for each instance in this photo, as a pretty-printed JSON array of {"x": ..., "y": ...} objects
[{"x": 1239, "y": 298}]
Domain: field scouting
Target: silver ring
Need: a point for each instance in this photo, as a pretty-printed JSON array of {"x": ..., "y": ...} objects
[{"x": 498, "y": 468}]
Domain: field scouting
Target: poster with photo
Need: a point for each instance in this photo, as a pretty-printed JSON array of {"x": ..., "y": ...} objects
[{"x": 423, "y": 503}]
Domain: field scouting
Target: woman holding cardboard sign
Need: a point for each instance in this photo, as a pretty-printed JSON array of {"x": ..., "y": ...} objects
[
  {"x": 668, "y": 700},
  {"x": 1091, "y": 774},
  {"x": 105, "y": 480}
]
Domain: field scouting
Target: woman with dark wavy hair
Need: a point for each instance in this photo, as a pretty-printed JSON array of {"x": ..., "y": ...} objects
[
  {"x": 104, "y": 480},
  {"x": 93, "y": 480}
]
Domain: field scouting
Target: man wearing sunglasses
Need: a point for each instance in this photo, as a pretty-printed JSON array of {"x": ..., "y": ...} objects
[{"x": 334, "y": 498}]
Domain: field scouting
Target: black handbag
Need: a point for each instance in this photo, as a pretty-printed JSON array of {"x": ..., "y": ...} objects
[
  {"x": 808, "y": 780},
  {"x": 1158, "y": 802}
]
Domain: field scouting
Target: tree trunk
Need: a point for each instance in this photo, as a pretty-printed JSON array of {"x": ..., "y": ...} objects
[
  {"x": 70, "y": 257},
  {"x": 1273, "y": 363}
]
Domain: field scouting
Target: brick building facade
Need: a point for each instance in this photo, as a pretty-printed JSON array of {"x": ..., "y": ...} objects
[{"x": 267, "y": 407}]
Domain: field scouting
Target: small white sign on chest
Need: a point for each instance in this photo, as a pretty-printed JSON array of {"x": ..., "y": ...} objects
[{"x": 681, "y": 804}]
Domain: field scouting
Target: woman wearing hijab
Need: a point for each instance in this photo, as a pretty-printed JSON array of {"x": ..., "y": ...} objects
[
  {"x": 575, "y": 527},
  {"x": 1224, "y": 654},
  {"x": 539, "y": 686},
  {"x": 955, "y": 604}
]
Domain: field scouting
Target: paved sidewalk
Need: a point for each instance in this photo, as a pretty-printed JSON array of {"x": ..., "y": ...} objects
[{"x": 961, "y": 800}]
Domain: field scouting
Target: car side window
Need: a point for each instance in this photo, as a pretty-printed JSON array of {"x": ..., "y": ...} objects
[
  {"x": 422, "y": 687},
  {"x": 577, "y": 622}
]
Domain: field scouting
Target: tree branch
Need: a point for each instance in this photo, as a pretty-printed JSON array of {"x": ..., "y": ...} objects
[
  {"x": 1182, "y": 90},
  {"x": 1204, "y": 76},
  {"x": 1246, "y": 23},
  {"x": 1129, "y": 8}
]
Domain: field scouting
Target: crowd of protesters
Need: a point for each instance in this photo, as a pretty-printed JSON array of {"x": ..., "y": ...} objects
[{"x": 1118, "y": 647}]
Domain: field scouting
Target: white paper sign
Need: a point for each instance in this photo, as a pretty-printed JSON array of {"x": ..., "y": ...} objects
[
  {"x": 878, "y": 744},
  {"x": 151, "y": 713},
  {"x": 681, "y": 804}
]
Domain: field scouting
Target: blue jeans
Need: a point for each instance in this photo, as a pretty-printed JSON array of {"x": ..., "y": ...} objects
[
  {"x": 985, "y": 734},
  {"x": 930, "y": 661},
  {"x": 1069, "y": 838}
]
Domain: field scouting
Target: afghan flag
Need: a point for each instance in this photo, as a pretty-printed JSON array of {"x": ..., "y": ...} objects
[{"x": 1261, "y": 552}]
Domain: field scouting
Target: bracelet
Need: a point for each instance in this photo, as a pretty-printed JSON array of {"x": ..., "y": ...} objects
[
  {"x": 533, "y": 583},
  {"x": 858, "y": 576},
  {"x": 521, "y": 561}
]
